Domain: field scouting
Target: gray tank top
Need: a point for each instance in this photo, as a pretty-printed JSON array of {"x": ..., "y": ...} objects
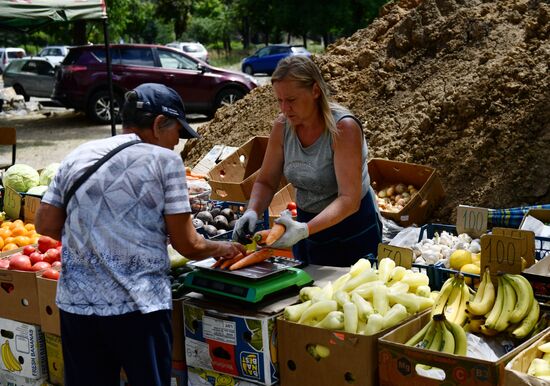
[{"x": 311, "y": 169}]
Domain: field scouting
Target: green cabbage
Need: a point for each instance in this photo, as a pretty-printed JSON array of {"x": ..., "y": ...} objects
[
  {"x": 47, "y": 174},
  {"x": 20, "y": 177},
  {"x": 38, "y": 190}
]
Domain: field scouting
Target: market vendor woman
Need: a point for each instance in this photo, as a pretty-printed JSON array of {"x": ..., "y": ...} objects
[{"x": 320, "y": 148}]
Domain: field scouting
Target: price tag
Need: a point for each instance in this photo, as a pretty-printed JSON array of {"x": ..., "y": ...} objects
[
  {"x": 401, "y": 256},
  {"x": 471, "y": 220},
  {"x": 501, "y": 254},
  {"x": 12, "y": 203},
  {"x": 30, "y": 206},
  {"x": 528, "y": 242}
]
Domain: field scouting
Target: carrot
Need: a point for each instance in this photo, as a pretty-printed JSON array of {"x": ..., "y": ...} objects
[
  {"x": 261, "y": 236},
  {"x": 253, "y": 258},
  {"x": 231, "y": 261},
  {"x": 218, "y": 263},
  {"x": 275, "y": 234}
]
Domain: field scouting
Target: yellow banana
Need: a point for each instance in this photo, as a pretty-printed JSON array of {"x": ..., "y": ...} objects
[
  {"x": 443, "y": 297},
  {"x": 524, "y": 294},
  {"x": 448, "y": 344},
  {"x": 461, "y": 315},
  {"x": 493, "y": 315},
  {"x": 429, "y": 336},
  {"x": 488, "y": 331},
  {"x": 461, "y": 342},
  {"x": 455, "y": 310},
  {"x": 509, "y": 303},
  {"x": 416, "y": 338},
  {"x": 9, "y": 359},
  {"x": 437, "y": 340},
  {"x": 487, "y": 301},
  {"x": 529, "y": 322},
  {"x": 480, "y": 290}
]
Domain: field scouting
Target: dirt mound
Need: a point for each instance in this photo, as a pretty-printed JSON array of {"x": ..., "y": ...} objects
[{"x": 460, "y": 85}]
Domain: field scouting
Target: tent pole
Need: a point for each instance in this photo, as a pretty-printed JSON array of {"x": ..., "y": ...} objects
[{"x": 109, "y": 76}]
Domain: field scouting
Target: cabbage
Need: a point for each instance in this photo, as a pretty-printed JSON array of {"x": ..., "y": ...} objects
[
  {"x": 47, "y": 174},
  {"x": 38, "y": 190},
  {"x": 20, "y": 177}
]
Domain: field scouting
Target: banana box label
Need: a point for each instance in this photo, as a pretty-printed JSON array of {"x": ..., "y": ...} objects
[{"x": 22, "y": 349}]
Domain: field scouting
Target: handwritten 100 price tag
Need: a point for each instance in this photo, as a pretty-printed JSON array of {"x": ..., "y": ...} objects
[
  {"x": 501, "y": 254},
  {"x": 402, "y": 256},
  {"x": 471, "y": 220},
  {"x": 527, "y": 248}
]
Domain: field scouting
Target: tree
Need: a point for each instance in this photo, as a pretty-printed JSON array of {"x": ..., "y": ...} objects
[{"x": 176, "y": 12}]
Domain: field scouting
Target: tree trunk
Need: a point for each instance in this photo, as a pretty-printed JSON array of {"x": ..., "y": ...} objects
[
  {"x": 304, "y": 39},
  {"x": 246, "y": 33},
  {"x": 288, "y": 38},
  {"x": 79, "y": 33}
]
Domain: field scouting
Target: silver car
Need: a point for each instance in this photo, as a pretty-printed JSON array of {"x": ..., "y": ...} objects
[
  {"x": 55, "y": 54},
  {"x": 30, "y": 77},
  {"x": 193, "y": 49}
]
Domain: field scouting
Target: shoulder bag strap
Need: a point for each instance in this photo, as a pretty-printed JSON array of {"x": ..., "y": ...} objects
[{"x": 93, "y": 169}]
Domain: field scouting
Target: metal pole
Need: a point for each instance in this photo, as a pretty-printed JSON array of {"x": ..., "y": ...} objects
[{"x": 109, "y": 76}]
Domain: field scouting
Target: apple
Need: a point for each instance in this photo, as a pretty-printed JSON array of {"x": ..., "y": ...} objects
[
  {"x": 36, "y": 257},
  {"x": 41, "y": 265},
  {"x": 28, "y": 250},
  {"x": 51, "y": 273},
  {"x": 52, "y": 255},
  {"x": 45, "y": 243},
  {"x": 20, "y": 262}
]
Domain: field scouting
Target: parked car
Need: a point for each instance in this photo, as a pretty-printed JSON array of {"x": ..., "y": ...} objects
[
  {"x": 30, "y": 77},
  {"x": 265, "y": 60},
  {"x": 193, "y": 49},
  {"x": 55, "y": 54},
  {"x": 81, "y": 80},
  {"x": 8, "y": 54}
]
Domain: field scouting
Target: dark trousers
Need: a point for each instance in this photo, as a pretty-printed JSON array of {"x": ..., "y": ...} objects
[
  {"x": 344, "y": 243},
  {"x": 95, "y": 348}
]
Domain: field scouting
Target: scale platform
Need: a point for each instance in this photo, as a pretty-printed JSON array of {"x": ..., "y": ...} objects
[{"x": 250, "y": 284}]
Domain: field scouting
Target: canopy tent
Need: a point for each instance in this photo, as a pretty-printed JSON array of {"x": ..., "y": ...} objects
[{"x": 25, "y": 15}]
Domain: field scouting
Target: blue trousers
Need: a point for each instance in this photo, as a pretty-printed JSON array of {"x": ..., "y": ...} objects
[
  {"x": 95, "y": 348},
  {"x": 344, "y": 243}
]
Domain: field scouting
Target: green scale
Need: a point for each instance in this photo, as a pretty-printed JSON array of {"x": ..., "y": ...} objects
[{"x": 251, "y": 284}]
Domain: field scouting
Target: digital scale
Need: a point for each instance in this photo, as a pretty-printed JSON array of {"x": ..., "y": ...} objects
[{"x": 251, "y": 284}]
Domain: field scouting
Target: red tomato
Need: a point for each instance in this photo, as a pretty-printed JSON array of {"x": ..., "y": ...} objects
[
  {"x": 41, "y": 265},
  {"x": 51, "y": 273},
  {"x": 28, "y": 249},
  {"x": 52, "y": 255},
  {"x": 20, "y": 262},
  {"x": 291, "y": 205},
  {"x": 36, "y": 257},
  {"x": 294, "y": 212},
  {"x": 45, "y": 243},
  {"x": 4, "y": 263},
  {"x": 56, "y": 264}
]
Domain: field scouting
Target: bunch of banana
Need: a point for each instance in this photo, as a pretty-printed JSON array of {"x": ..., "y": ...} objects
[
  {"x": 10, "y": 362},
  {"x": 442, "y": 335},
  {"x": 515, "y": 308},
  {"x": 452, "y": 300}
]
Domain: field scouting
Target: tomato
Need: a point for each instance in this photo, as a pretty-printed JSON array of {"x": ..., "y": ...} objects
[
  {"x": 56, "y": 264},
  {"x": 40, "y": 266},
  {"x": 45, "y": 243},
  {"x": 51, "y": 273},
  {"x": 36, "y": 257},
  {"x": 52, "y": 255},
  {"x": 20, "y": 262},
  {"x": 28, "y": 249},
  {"x": 291, "y": 205},
  {"x": 294, "y": 212}
]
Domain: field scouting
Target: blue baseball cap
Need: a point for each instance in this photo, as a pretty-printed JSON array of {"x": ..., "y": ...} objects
[{"x": 162, "y": 100}]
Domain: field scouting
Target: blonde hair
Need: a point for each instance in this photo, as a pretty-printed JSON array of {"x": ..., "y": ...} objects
[{"x": 302, "y": 69}]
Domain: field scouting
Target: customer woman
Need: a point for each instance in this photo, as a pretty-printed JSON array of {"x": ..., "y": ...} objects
[{"x": 320, "y": 148}]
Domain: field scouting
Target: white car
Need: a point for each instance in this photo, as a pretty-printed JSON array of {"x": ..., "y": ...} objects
[
  {"x": 193, "y": 49},
  {"x": 8, "y": 54},
  {"x": 54, "y": 54}
]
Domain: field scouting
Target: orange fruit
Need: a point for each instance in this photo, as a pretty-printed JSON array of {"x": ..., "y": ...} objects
[
  {"x": 5, "y": 232},
  {"x": 29, "y": 227},
  {"x": 6, "y": 224},
  {"x": 34, "y": 239},
  {"x": 18, "y": 231},
  {"x": 22, "y": 240},
  {"x": 1, "y": 243},
  {"x": 19, "y": 222},
  {"x": 9, "y": 239},
  {"x": 9, "y": 247}
]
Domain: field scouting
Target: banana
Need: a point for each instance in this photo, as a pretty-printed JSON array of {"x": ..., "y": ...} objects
[
  {"x": 437, "y": 340},
  {"x": 487, "y": 300},
  {"x": 443, "y": 297},
  {"x": 544, "y": 321},
  {"x": 528, "y": 323},
  {"x": 448, "y": 344},
  {"x": 480, "y": 290},
  {"x": 488, "y": 331},
  {"x": 455, "y": 310},
  {"x": 416, "y": 338},
  {"x": 12, "y": 364},
  {"x": 525, "y": 297},
  {"x": 493, "y": 315},
  {"x": 461, "y": 315},
  {"x": 509, "y": 303},
  {"x": 429, "y": 336},
  {"x": 475, "y": 325},
  {"x": 461, "y": 342}
]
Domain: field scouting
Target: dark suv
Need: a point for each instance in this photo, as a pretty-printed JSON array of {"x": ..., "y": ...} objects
[{"x": 81, "y": 81}]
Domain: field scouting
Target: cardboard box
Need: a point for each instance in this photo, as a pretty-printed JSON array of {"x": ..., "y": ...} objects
[
  {"x": 235, "y": 342},
  {"x": 10, "y": 379},
  {"x": 280, "y": 201},
  {"x": 538, "y": 276},
  {"x": 424, "y": 178},
  {"x": 18, "y": 294},
  {"x": 56, "y": 364},
  {"x": 217, "y": 154},
  {"x": 542, "y": 231},
  {"x": 515, "y": 373},
  {"x": 27, "y": 347},
  {"x": 397, "y": 362},
  {"x": 232, "y": 179},
  {"x": 47, "y": 309}
]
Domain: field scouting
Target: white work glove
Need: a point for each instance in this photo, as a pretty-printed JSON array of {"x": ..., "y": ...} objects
[
  {"x": 245, "y": 226},
  {"x": 294, "y": 231}
]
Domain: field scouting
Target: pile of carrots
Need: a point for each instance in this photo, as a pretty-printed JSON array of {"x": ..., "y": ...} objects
[{"x": 266, "y": 237}]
